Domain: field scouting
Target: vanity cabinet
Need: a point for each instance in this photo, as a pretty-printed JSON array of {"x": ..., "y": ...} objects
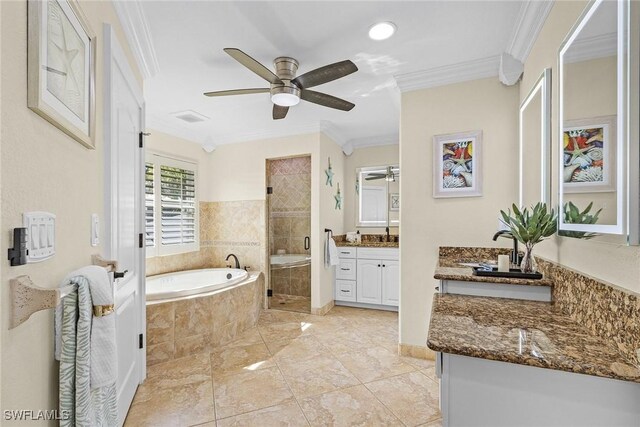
[{"x": 368, "y": 278}]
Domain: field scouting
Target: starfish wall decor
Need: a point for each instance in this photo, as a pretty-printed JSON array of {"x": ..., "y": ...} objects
[{"x": 329, "y": 173}]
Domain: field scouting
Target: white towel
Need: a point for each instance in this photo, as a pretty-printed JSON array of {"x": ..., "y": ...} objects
[
  {"x": 103, "y": 329},
  {"x": 331, "y": 256}
]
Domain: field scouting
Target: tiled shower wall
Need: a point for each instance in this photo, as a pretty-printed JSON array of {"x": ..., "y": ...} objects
[
  {"x": 290, "y": 221},
  {"x": 225, "y": 227}
]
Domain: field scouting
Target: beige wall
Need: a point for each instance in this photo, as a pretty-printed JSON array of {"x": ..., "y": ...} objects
[
  {"x": 361, "y": 157},
  {"x": 43, "y": 169},
  {"x": 615, "y": 263},
  {"x": 427, "y": 223}
]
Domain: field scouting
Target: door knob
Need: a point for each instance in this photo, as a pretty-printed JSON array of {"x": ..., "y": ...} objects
[{"x": 119, "y": 274}]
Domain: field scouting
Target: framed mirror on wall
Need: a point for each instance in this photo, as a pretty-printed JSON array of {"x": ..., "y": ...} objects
[
  {"x": 378, "y": 196},
  {"x": 535, "y": 143},
  {"x": 596, "y": 159}
]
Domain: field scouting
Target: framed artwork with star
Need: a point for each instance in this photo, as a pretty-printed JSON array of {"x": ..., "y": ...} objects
[
  {"x": 589, "y": 155},
  {"x": 457, "y": 164},
  {"x": 61, "y": 67}
]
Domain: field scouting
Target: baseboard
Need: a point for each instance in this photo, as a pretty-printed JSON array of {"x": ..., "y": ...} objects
[
  {"x": 324, "y": 309},
  {"x": 416, "y": 351},
  {"x": 364, "y": 305}
]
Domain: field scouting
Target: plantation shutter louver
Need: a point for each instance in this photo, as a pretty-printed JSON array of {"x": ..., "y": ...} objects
[
  {"x": 171, "y": 205},
  {"x": 178, "y": 205},
  {"x": 149, "y": 205}
]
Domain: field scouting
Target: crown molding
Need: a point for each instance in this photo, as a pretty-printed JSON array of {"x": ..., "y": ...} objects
[
  {"x": 449, "y": 74},
  {"x": 529, "y": 22},
  {"x": 375, "y": 141},
  {"x": 332, "y": 132},
  {"x": 136, "y": 29}
]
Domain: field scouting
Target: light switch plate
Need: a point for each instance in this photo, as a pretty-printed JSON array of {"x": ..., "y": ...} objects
[
  {"x": 95, "y": 230},
  {"x": 41, "y": 235}
]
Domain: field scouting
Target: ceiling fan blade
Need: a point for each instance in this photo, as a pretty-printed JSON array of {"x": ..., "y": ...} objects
[
  {"x": 253, "y": 65},
  {"x": 279, "y": 112},
  {"x": 325, "y": 74},
  {"x": 237, "y": 92},
  {"x": 326, "y": 100}
]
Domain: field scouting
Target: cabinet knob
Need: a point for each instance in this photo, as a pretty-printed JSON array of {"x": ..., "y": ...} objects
[
  {"x": 378, "y": 265},
  {"x": 383, "y": 265}
]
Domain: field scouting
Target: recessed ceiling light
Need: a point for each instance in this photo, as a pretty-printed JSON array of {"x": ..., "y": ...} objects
[{"x": 382, "y": 30}]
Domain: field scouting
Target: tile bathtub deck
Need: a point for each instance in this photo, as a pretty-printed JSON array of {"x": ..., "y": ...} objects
[{"x": 295, "y": 369}]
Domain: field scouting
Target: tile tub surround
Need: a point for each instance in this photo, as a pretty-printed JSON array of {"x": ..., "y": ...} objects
[
  {"x": 295, "y": 369},
  {"x": 201, "y": 323},
  {"x": 524, "y": 332},
  {"x": 225, "y": 227}
]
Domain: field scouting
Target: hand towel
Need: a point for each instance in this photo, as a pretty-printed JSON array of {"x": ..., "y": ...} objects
[
  {"x": 85, "y": 405},
  {"x": 103, "y": 329},
  {"x": 331, "y": 258}
]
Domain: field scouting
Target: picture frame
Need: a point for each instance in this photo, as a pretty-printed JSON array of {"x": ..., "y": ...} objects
[
  {"x": 61, "y": 68},
  {"x": 394, "y": 202},
  {"x": 589, "y": 155},
  {"x": 457, "y": 164}
]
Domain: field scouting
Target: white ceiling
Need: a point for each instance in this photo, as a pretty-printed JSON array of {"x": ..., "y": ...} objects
[{"x": 188, "y": 38}]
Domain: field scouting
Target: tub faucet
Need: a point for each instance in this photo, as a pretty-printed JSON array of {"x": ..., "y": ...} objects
[
  {"x": 235, "y": 258},
  {"x": 515, "y": 258}
]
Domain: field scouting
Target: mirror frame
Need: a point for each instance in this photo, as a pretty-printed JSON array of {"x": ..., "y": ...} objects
[
  {"x": 621, "y": 116},
  {"x": 542, "y": 86},
  {"x": 388, "y": 222}
]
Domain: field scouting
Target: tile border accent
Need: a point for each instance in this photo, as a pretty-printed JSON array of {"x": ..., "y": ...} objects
[
  {"x": 416, "y": 351},
  {"x": 226, "y": 243},
  {"x": 324, "y": 309}
]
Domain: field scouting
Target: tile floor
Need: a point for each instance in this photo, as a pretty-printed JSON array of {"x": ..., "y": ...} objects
[
  {"x": 296, "y": 369},
  {"x": 291, "y": 303}
]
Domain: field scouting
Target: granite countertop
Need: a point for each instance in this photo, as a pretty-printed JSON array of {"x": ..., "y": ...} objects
[
  {"x": 368, "y": 241},
  {"x": 450, "y": 269},
  {"x": 523, "y": 332}
]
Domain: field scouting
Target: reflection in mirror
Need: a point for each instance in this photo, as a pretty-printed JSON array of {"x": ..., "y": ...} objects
[
  {"x": 592, "y": 145},
  {"x": 535, "y": 143},
  {"x": 378, "y": 196}
]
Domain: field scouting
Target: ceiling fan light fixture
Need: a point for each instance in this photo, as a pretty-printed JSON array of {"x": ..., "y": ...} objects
[
  {"x": 285, "y": 99},
  {"x": 382, "y": 30}
]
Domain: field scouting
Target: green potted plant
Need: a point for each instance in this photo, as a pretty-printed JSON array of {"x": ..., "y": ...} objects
[{"x": 529, "y": 227}]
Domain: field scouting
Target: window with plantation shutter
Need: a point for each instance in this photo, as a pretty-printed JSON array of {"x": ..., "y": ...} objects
[
  {"x": 171, "y": 206},
  {"x": 149, "y": 205}
]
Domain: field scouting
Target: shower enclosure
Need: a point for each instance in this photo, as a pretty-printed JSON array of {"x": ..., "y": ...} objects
[{"x": 289, "y": 217}]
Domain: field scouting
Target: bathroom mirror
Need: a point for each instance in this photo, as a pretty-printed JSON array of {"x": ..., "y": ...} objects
[
  {"x": 378, "y": 196},
  {"x": 535, "y": 143},
  {"x": 594, "y": 155}
]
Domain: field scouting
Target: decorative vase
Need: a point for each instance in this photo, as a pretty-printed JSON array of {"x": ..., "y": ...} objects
[{"x": 528, "y": 264}]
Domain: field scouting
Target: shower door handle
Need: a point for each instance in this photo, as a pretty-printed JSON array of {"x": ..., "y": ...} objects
[{"x": 307, "y": 243}]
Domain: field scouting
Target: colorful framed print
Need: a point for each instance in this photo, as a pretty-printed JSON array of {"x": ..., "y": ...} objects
[
  {"x": 61, "y": 67},
  {"x": 457, "y": 164},
  {"x": 394, "y": 202},
  {"x": 589, "y": 155}
]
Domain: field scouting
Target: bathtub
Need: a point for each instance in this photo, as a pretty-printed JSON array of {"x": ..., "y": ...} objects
[
  {"x": 197, "y": 311},
  {"x": 192, "y": 282}
]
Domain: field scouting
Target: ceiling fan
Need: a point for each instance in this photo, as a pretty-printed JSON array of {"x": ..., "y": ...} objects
[
  {"x": 286, "y": 89},
  {"x": 389, "y": 175}
]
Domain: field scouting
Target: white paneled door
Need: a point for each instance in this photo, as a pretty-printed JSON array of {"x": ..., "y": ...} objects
[{"x": 124, "y": 169}]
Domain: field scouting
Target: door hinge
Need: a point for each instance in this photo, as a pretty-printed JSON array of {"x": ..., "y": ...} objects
[
  {"x": 141, "y": 341},
  {"x": 140, "y": 241},
  {"x": 269, "y": 190},
  {"x": 269, "y": 292},
  {"x": 141, "y": 138}
]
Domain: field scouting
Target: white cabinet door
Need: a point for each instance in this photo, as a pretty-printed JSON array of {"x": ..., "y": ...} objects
[
  {"x": 369, "y": 281},
  {"x": 391, "y": 283}
]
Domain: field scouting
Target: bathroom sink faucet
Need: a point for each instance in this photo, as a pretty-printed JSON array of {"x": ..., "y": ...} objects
[
  {"x": 515, "y": 258},
  {"x": 235, "y": 258}
]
